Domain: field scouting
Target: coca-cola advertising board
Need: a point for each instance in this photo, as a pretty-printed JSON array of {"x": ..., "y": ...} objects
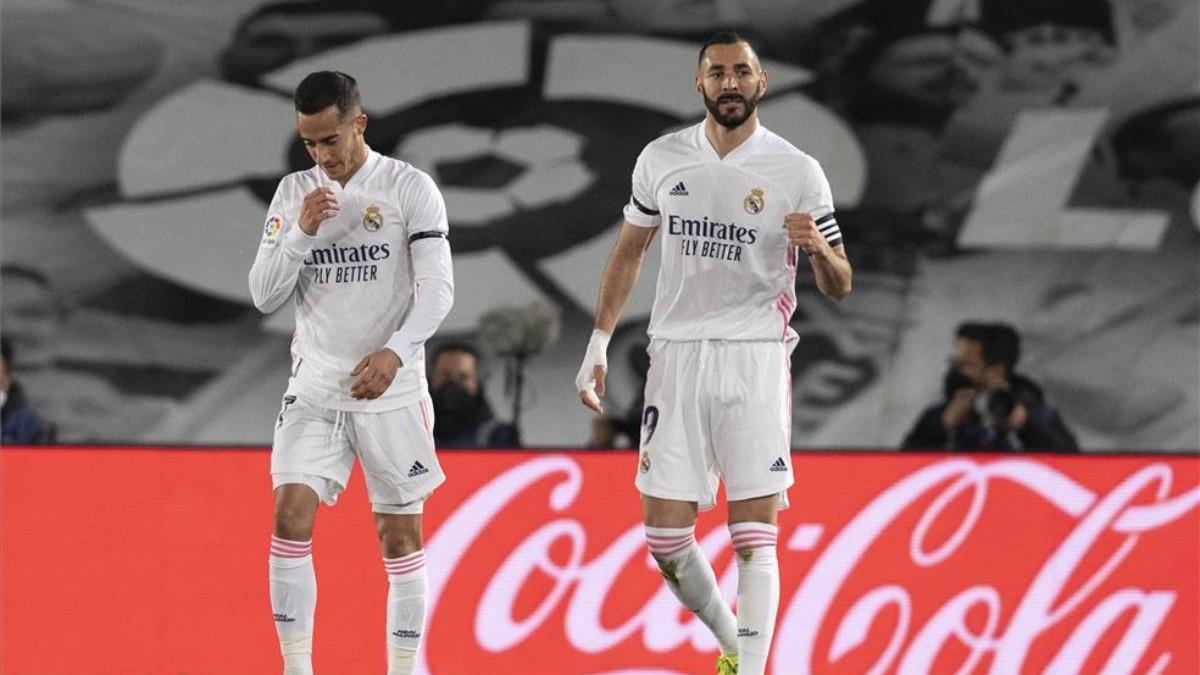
[{"x": 154, "y": 561}]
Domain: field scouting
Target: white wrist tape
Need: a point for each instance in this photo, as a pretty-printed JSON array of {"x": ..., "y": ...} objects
[{"x": 596, "y": 355}]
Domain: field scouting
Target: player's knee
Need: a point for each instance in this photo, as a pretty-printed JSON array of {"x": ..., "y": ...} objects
[
  {"x": 294, "y": 521},
  {"x": 398, "y": 538}
]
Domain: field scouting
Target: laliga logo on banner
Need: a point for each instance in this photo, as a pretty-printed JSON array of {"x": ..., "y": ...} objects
[
  {"x": 583, "y": 586},
  {"x": 534, "y": 154}
]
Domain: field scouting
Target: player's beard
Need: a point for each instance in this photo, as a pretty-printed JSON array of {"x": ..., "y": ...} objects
[{"x": 735, "y": 120}]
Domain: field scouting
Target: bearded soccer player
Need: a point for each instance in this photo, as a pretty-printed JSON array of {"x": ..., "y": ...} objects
[
  {"x": 360, "y": 241},
  {"x": 737, "y": 205}
]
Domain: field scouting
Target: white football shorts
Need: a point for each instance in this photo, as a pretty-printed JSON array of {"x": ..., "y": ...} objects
[
  {"x": 717, "y": 410},
  {"x": 316, "y": 446}
]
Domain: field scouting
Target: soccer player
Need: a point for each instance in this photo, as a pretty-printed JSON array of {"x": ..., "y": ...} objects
[
  {"x": 360, "y": 241},
  {"x": 736, "y": 203}
]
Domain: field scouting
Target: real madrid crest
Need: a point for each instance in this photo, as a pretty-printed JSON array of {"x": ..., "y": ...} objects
[
  {"x": 372, "y": 219},
  {"x": 644, "y": 463},
  {"x": 754, "y": 202}
]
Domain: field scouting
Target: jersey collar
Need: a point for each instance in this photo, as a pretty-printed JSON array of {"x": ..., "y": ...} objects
[
  {"x": 359, "y": 176},
  {"x": 735, "y": 155}
]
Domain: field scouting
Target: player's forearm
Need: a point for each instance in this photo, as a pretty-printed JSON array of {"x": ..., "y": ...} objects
[
  {"x": 833, "y": 274},
  {"x": 275, "y": 271},
  {"x": 433, "y": 275},
  {"x": 620, "y": 276}
]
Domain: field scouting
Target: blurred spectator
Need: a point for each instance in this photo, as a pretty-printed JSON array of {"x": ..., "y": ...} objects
[
  {"x": 21, "y": 423},
  {"x": 987, "y": 406},
  {"x": 612, "y": 431},
  {"x": 462, "y": 416}
]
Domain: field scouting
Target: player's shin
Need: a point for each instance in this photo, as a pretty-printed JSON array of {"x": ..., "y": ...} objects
[
  {"x": 293, "y": 601},
  {"x": 754, "y": 545},
  {"x": 406, "y": 610},
  {"x": 690, "y": 577}
]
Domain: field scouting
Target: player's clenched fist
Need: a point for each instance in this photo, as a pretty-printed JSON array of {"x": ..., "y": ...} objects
[
  {"x": 802, "y": 231},
  {"x": 319, "y": 205}
]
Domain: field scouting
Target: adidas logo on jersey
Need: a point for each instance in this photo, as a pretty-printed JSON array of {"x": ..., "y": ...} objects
[
  {"x": 417, "y": 469},
  {"x": 779, "y": 465},
  {"x": 678, "y": 191}
]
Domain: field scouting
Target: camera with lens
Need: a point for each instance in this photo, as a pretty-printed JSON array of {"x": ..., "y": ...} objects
[{"x": 995, "y": 407}]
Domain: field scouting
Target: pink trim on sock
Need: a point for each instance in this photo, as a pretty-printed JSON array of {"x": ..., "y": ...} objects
[
  {"x": 664, "y": 544},
  {"x": 283, "y": 548},
  {"x": 749, "y": 536},
  {"x": 409, "y": 563}
]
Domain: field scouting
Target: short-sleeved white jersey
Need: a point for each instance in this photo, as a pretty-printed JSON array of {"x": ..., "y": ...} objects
[
  {"x": 727, "y": 269},
  {"x": 353, "y": 281}
]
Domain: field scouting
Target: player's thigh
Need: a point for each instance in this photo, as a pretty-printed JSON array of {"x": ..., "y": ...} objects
[
  {"x": 310, "y": 447},
  {"x": 752, "y": 427},
  {"x": 398, "y": 458},
  {"x": 675, "y": 459},
  {"x": 658, "y": 512}
]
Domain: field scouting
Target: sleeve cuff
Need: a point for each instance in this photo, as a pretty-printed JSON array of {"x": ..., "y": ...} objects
[{"x": 404, "y": 348}]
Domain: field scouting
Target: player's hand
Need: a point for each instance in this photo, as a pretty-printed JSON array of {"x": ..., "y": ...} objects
[
  {"x": 375, "y": 374},
  {"x": 319, "y": 205},
  {"x": 590, "y": 380},
  {"x": 802, "y": 232}
]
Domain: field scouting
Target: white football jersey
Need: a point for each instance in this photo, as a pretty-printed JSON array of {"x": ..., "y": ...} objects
[
  {"x": 353, "y": 281},
  {"x": 727, "y": 270}
]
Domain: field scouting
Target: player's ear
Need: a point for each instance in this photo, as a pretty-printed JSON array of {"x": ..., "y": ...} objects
[{"x": 360, "y": 123}]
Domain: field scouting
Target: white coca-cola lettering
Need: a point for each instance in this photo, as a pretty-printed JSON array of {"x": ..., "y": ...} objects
[
  {"x": 806, "y": 613},
  {"x": 1035, "y": 613},
  {"x": 494, "y": 626},
  {"x": 447, "y": 546},
  {"x": 586, "y": 585},
  {"x": 853, "y": 630}
]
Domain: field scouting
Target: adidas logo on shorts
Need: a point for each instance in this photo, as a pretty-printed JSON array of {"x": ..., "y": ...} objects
[
  {"x": 417, "y": 469},
  {"x": 678, "y": 191},
  {"x": 779, "y": 465}
]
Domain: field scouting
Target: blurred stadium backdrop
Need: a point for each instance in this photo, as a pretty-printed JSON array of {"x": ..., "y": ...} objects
[{"x": 1031, "y": 162}]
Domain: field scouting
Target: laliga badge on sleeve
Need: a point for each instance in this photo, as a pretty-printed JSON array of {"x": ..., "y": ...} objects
[{"x": 271, "y": 230}]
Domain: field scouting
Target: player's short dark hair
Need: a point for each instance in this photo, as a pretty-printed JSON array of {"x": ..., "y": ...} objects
[
  {"x": 319, "y": 90},
  {"x": 6, "y": 349},
  {"x": 724, "y": 37}
]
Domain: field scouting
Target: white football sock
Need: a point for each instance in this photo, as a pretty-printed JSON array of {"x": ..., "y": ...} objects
[
  {"x": 293, "y": 601},
  {"x": 406, "y": 610},
  {"x": 758, "y": 593},
  {"x": 690, "y": 577}
]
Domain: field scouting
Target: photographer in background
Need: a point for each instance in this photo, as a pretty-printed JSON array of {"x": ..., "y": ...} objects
[
  {"x": 462, "y": 417},
  {"x": 20, "y": 423},
  {"x": 988, "y": 406}
]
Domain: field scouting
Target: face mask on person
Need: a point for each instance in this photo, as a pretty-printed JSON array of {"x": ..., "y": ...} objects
[
  {"x": 954, "y": 380},
  {"x": 455, "y": 410}
]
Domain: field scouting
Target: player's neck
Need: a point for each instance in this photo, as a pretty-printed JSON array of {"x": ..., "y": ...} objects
[
  {"x": 725, "y": 140},
  {"x": 358, "y": 163}
]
